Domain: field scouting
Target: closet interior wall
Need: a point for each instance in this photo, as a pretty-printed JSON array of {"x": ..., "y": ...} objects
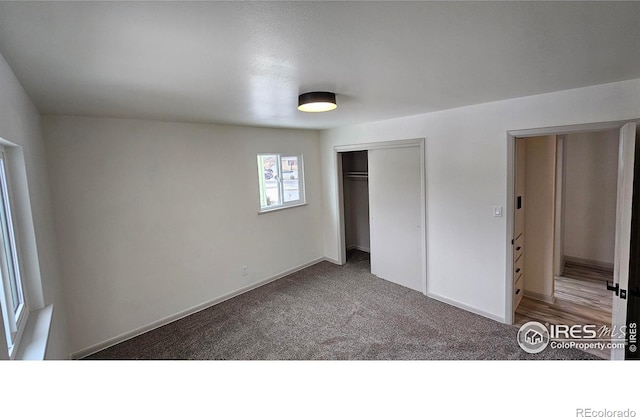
[{"x": 356, "y": 200}]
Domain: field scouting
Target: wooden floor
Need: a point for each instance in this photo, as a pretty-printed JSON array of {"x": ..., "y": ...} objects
[{"x": 581, "y": 297}]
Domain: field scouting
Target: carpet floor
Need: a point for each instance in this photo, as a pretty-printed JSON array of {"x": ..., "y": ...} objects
[{"x": 331, "y": 312}]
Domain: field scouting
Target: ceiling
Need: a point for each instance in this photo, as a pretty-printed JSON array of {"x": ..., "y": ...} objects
[{"x": 245, "y": 62}]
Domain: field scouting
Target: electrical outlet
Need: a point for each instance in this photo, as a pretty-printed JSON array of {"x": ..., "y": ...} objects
[{"x": 244, "y": 270}]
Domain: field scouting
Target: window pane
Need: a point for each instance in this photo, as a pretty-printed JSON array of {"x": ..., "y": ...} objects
[
  {"x": 290, "y": 178},
  {"x": 269, "y": 187},
  {"x": 9, "y": 244}
]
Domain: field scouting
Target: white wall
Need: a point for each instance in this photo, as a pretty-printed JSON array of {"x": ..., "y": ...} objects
[
  {"x": 20, "y": 125},
  {"x": 540, "y": 182},
  {"x": 590, "y": 195},
  {"x": 466, "y": 162},
  {"x": 155, "y": 218}
]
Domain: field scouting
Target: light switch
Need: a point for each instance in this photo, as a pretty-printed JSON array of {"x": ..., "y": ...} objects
[{"x": 497, "y": 211}]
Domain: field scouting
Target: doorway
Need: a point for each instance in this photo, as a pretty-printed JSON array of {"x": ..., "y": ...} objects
[
  {"x": 571, "y": 205},
  {"x": 393, "y": 179},
  {"x": 355, "y": 185},
  {"x": 568, "y": 228}
]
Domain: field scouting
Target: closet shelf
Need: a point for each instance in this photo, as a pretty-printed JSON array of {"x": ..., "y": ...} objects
[{"x": 356, "y": 175}]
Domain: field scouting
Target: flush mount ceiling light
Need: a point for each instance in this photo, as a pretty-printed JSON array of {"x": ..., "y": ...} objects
[{"x": 317, "y": 101}]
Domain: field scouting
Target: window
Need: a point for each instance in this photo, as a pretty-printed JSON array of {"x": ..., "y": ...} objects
[
  {"x": 281, "y": 181},
  {"x": 12, "y": 297}
]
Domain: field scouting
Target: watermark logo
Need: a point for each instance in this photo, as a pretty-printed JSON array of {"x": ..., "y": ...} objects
[
  {"x": 533, "y": 337},
  {"x": 633, "y": 337},
  {"x": 590, "y": 412}
]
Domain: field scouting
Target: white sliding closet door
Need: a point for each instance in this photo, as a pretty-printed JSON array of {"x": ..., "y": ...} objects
[{"x": 395, "y": 208}]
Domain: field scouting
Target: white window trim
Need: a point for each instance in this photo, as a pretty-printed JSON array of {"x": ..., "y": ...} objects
[
  {"x": 283, "y": 207},
  {"x": 15, "y": 326},
  {"x": 302, "y": 201},
  {"x": 33, "y": 344}
]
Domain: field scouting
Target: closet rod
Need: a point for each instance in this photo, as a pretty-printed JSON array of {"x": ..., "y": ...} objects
[{"x": 356, "y": 174}]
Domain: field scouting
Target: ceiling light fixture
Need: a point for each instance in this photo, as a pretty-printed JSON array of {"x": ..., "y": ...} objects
[{"x": 317, "y": 101}]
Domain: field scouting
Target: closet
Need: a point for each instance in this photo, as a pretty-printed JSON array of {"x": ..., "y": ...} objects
[
  {"x": 383, "y": 207},
  {"x": 355, "y": 174}
]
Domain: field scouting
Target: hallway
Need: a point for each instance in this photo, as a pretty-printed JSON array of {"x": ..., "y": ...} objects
[{"x": 581, "y": 297}]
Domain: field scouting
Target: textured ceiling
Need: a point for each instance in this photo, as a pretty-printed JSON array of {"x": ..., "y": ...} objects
[{"x": 246, "y": 63}]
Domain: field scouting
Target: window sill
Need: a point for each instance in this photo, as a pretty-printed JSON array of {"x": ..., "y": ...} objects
[
  {"x": 33, "y": 345},
  {"x": 269, "y": 210}
]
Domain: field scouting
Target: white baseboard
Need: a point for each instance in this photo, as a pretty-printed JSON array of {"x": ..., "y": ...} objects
[
  {"x": 589, "y": 262},
  {"x": 184, "y": 313},
  {"x": 358, "y": 247},
  {"x": 549, "y": 299},
  {"x": 466, "y": 307},
  {"x": 333, "y": 261}
]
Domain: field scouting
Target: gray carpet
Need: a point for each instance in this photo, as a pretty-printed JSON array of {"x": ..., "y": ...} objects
[{"x": 335, "y": 313}]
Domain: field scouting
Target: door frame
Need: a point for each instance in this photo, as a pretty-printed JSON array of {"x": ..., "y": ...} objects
[
  {"x": 558, "y": 229},
  {"x": 511, "y": 148},
  {"x": 338, "y": 150},
  {"x": 624, "y": 214}
]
